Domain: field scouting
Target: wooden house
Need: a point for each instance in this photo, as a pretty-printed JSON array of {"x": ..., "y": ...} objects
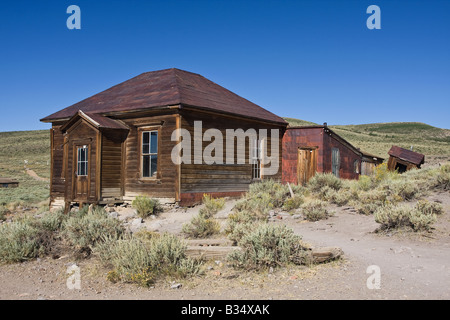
[
  {"x": 311, "y": 149},
  {"x": 403, "y": 159},
  {"x": 119, "y": 143},
  {"x": 8, "y": 183}
]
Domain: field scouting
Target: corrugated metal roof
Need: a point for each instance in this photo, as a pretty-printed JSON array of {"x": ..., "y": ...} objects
[
  {"x": 407, "y": 155},
  {"x": 167, "y": 88}
]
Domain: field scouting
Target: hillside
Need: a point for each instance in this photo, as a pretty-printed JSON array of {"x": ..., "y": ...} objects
[
  {"x": 377, "y": 138},
  {"x": 16, "y": 148}
]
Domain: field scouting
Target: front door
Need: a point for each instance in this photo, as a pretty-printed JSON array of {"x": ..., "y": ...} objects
[
  {"x": 307, "y": 164},
  {"x": 82, "y": 166}
]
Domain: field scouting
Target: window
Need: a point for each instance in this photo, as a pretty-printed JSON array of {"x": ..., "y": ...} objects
[
  {"x": 149, "y": 154},
  {"x": 256, "y": 159},
  {"x": 82, "y": 163}
]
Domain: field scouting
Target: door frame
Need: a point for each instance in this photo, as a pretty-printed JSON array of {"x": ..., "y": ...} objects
[{"x": 76, "y": 145}]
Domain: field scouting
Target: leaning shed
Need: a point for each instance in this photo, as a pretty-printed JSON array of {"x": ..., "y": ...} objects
[
  {"x": 147, "y": 136},
  {"x": 403, "y": 159},
  {"x": 311, "y": 149}
]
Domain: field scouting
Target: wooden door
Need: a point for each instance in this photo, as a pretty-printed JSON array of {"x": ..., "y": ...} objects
[
  {"x": 306, "y": 165},
  {"x": 81, "y": 179}
]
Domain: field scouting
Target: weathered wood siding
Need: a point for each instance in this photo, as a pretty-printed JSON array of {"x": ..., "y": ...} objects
[
  {"x": 200, "y": 178},
  {"x": 112, "y": 165},
  {"x": 164, "y": 185},
  {"x": 393, "y": 161},
  {"x": 57, "y": 179}
]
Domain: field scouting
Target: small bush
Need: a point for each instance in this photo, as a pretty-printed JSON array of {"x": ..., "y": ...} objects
[
  {"x": 269, "y": 246},
  {"x": 21, "y": 240},
  {"x": 129, "y": 259},
  {"x": 270, "y": 192},
  {"x": 201, "y": 227},
  {"x": 53, "y": 221},
  {"x": 394, "y": 217},
  {"x": 368, "y": 208},
  {"x": 143, "y": 261},
  {"x": 420, "y": 221},
  {"x": 320, "y": 180},
  {"x": 293, "y": 203},
  {"x": 341, "y": 197},
  {"x": 391, "y": 217},
  {"x": 146, "y": 206},
  {"x": 211, "y": 206},
  {"x": 429, "y": 208},
  {"x": 381, "y": 173},
  {"x": 86, "y": 231},
  {"x": 242, "y": 220},
  {"x": 257, "y": 205},
  {"x": 365, "y": 183},
  {"x": 236, "y": 231},
  {"x": 375, "y": 196},
  {"x": 3, "y": 212},
  {"x": 442, "y": 181},
  {"x": 315, "y": 210},
  {"x": 405, "y": 189}
]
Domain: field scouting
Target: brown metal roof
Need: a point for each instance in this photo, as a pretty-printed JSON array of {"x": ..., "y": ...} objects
[
  {"x": 407, "y": 155},
  {"x": 105, "y": 122},
  {"x": 97, "y": 120},
  {"x": 167, "y": 88},
  {"x": 369, "y": 155}
]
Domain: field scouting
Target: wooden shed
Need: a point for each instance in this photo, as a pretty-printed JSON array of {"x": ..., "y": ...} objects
[
  {"x": 311, "y": 149},
  {"x": 8, "y": 183},
  {"x": 120, "y": 143},
  {"x": 369, "y": 162},
  {"x": 403, "y": 159}
]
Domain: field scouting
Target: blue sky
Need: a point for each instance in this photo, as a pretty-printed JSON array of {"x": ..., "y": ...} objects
[{"x": 313, "y": 60}]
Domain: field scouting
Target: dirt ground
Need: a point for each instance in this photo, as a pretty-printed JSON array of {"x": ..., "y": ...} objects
[{"x": 413, "y": 266}]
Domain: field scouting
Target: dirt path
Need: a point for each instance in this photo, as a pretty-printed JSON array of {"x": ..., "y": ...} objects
[
  {"x": 412, "y": 267},
  {"x": 34, "y": 175}
]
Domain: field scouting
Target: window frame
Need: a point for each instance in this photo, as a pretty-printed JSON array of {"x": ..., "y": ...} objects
[
  {"x": 141, "y": 132},
  {"x": 84, "y": 162},
  {"x": 256, "y": 159}
]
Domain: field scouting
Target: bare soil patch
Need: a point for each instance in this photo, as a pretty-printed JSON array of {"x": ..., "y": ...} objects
[{"x": 413, "y": 266}]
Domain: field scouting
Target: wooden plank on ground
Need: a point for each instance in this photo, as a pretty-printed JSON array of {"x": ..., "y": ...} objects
[
  {"x": 210, "y": 242},
  {"x": 209, "y": 253}
]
